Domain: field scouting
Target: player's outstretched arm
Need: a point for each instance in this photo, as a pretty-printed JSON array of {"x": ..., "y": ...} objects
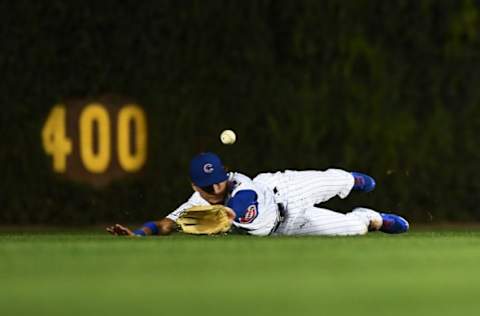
[
  {"x": 162, "y": 227},
  {"x": 119, "y": 230}
]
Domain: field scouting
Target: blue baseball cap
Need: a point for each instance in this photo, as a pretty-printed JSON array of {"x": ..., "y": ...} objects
[{"x": 207, "y": 169}]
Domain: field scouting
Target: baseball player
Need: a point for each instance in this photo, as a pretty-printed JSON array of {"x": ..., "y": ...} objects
[{"x": 280, "y": 203}]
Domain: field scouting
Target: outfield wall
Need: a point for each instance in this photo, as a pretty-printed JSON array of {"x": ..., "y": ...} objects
[{"x": 103, "y": 103}]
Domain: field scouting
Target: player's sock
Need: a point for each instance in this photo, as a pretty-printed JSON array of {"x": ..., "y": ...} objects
[
  {"x": 363, "y": 182},
  {"x": 372, "y": 219},
  {"x": 393, "y": 224}
]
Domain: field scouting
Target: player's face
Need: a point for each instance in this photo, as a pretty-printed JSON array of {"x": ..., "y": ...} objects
[{"x": 214, "y": 194}]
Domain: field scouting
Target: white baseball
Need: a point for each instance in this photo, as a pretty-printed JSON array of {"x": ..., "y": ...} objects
[{"x": 228, "y": 137}]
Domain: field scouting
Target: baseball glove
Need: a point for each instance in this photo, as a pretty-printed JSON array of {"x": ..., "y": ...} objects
[{"x": 206, "y": 220}]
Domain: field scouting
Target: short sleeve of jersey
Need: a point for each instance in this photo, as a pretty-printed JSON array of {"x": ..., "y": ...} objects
[
  {"x": 195, "y": 199},
  {"x": 245, "y": 205}
]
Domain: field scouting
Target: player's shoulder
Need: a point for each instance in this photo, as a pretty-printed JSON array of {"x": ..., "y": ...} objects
[
  {"x": 237, "y": 176},
  {"x": 238, "y": 181}
]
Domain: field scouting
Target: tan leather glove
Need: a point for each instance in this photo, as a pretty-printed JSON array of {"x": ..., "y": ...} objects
[{"x": 206, "y": 220}]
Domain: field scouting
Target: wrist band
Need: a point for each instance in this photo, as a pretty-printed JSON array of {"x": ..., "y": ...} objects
[
  {"x": 139, "y": 232},
  {"x": 152, "y": 226}
]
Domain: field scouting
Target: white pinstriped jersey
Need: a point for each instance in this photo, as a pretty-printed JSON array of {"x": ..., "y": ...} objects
[
  {"x": 253, "y": 203},
  {"x": 256, "y": 203}
]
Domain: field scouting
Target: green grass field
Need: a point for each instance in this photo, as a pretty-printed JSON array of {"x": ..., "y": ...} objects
[{"x": 420, "y": 273}]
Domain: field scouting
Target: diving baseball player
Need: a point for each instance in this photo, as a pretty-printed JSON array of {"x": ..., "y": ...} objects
[{"x": 280, "y": 203}]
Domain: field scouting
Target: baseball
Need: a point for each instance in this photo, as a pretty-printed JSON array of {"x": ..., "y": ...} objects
[{"x": 228, "y": 137}]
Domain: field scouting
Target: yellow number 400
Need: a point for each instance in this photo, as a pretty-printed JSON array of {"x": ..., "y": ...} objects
[{"x": 56, "y": 143}]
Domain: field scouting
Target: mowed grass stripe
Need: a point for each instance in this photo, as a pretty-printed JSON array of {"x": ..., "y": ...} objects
[{"x": 425, "y": 273}]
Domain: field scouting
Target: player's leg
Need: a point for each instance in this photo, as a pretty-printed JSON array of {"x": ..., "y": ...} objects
[
  {"x": 313, "y": 187},
  {"x": 319, "y": 221},
  {"x": 323, "y": 222},
  {"x": 301, "y": 190}
]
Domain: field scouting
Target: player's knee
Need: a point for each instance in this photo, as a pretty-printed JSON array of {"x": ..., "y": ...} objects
[
  {"x": 358, "y": 229},
  {"x": 355, "y": 228},
  {"x": 362, "y": 230}
]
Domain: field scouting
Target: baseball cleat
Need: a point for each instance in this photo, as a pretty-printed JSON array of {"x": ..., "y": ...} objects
[
  {"x": 393, "y": 224},
  {"x": 363, "y": 182}
]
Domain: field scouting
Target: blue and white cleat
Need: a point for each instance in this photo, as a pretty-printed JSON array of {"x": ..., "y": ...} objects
[
  {"x": 393, "y": 224},
  {"x": 363, "y": 182}
]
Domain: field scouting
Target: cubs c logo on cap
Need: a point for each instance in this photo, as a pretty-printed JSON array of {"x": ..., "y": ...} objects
[{"x": 208, "y": 168}]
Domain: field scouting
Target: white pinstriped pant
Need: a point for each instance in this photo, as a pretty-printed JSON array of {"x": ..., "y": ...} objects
[{"x": 299, "y": 191}]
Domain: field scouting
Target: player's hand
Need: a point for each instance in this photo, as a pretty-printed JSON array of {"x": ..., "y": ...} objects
[{"x": 119, "y": 230}]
